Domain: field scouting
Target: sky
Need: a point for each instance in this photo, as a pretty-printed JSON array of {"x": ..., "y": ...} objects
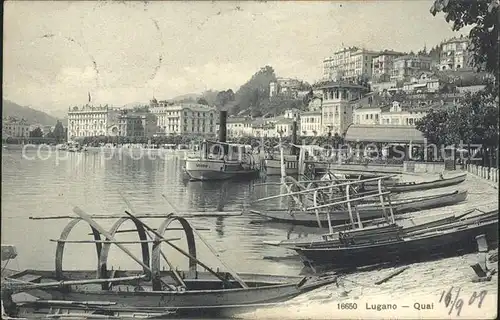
[{"x": 55, "y": 53}]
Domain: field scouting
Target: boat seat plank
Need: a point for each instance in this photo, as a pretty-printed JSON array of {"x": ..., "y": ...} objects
[{"x": 29, "y": 278}]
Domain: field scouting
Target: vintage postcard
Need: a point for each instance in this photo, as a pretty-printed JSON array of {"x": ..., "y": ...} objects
[{"x": 250, "y": 159}]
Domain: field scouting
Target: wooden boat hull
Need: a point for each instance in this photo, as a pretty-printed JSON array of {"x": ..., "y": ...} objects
[
  {"x": 366, "y": 212},
  {"x": 318, "y": 241},
  {"x": 412, "y": 249},
  {"x": 204, "y": 170},
  {"x": 208, "y": 299},
  {"x": 273, "y": 166},
  {"x": 407, "y": 187}
]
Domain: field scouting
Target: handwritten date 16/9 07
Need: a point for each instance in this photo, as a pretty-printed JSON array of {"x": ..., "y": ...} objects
[{"x": 455, "y": 302}]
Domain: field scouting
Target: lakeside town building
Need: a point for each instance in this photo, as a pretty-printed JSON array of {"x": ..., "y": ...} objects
[
  {"x": 90, "y": 121},
  {"x": 239, "y": 127},
  {"x": 188, "y": 118},
  {"x": 337, "y": 109},
  {"x": 15, "y": 128}
]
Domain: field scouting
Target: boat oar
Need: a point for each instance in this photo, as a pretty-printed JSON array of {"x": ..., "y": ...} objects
[
  {"x": 232, "y": 272},
  {"x": 19, "y": 285},
  {"x": 178, "y": 249},
  {"x": 105, "y": 233},
  {"x": 170, "y": 265}
]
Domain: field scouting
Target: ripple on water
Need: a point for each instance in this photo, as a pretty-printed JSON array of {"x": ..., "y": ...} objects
[{"x": 51, "y": 188}]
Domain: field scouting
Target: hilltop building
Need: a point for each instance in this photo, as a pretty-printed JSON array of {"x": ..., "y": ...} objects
[
  {"x": 409, "y": 65},
  {"x": 383, "y": 65},
  {"x": 349, "y": 64},
  {"x": 455, "y": 54},
  {"x": 288, "y": 87}
]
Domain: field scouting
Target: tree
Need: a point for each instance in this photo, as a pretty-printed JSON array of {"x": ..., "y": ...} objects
[
  {"x": 224, "y": 97},
  {"x": 254, "y": 94},
  {"x": 484, "y": 35},
  {"x": 433, "y": 126},
  {"x": 36, "y": 133},
  {"x": 202, "y": 101},
  {"x": 59, "y": 134}
]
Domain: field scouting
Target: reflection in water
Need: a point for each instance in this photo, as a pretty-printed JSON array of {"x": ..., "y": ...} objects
[
  {"x": 219, "y": 226},
  {"x": 95, "y": 183}
]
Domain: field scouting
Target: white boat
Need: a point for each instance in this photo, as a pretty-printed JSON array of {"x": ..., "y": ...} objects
[
  {"x": 222, "y": 161},
  {"x": 316, "y": 158}
]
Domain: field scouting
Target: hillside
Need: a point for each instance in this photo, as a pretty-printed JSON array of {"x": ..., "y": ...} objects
[{"x": 11, "y": 109}]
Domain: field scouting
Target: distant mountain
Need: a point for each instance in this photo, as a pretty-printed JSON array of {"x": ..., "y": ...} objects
[
  {"x": 32, "y": 116},
  {"x": 186, "y": 97}
]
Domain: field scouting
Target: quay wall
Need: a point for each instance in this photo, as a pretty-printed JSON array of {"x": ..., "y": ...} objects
[
  {"x": 484, "y": 173},
  {"x": 423, "y": 167},
  {"x": 375, "y": 168}
]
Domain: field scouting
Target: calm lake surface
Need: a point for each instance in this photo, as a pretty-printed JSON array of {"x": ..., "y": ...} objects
[{"x": 96, "y": 182}]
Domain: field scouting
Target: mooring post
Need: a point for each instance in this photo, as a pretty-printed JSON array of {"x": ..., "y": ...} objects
[{"x": 480, "y": 268}]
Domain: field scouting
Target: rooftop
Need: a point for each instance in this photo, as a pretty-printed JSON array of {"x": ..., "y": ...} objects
[{"x": 336, "y": 84}]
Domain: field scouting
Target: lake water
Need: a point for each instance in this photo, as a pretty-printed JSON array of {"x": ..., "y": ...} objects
[{"x": 48, "y": 185}]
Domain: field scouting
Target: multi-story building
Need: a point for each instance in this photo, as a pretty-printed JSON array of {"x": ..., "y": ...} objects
[
  {"x": 455, "y": 54},
  {"x": 409, "y": 65},
  {"x": 310, "y": 123},
  {"x": 89, "y": 120},
  {"x": 15, "y": 128},
  {"x": 383, "y": 64},
  {"x": 192, "y": 118},
  {"x": 263, "y": 128},
  {"x": 239, "y": 127},
  {"x": 286, "y": 87},
  {"x": 337, "y": 109},
  {"x": 349, "y": 64},
  {"x": 397, "y": 115},
  {"x": 136, "y": 124},
  {"x": 424, "y": 82},
  {"x": 367, "y": 110},
  {"x": 284, "y": 127}
]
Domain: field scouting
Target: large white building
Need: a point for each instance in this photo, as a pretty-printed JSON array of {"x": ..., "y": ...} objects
[
  {"x": 349, "y": 64},
  {"x": 90, "y": 121},
  {"x": 191, "y": 118}
]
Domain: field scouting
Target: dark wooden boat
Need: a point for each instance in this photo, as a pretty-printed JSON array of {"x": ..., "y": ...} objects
[
  {"x": 391, "y": 243},
  {"x": 443, "y": 223},
  {"x": 415, "y": 186},
  {"x": 366, "y": 211},
  {"x": 151, "y": 291}
]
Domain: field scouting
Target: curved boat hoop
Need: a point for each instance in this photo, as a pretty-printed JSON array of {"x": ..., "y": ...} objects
[
  {"x": 155, "y": 256},
  {"x": 60, "y": 246},
  {"x": 102, "y": 271}
]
